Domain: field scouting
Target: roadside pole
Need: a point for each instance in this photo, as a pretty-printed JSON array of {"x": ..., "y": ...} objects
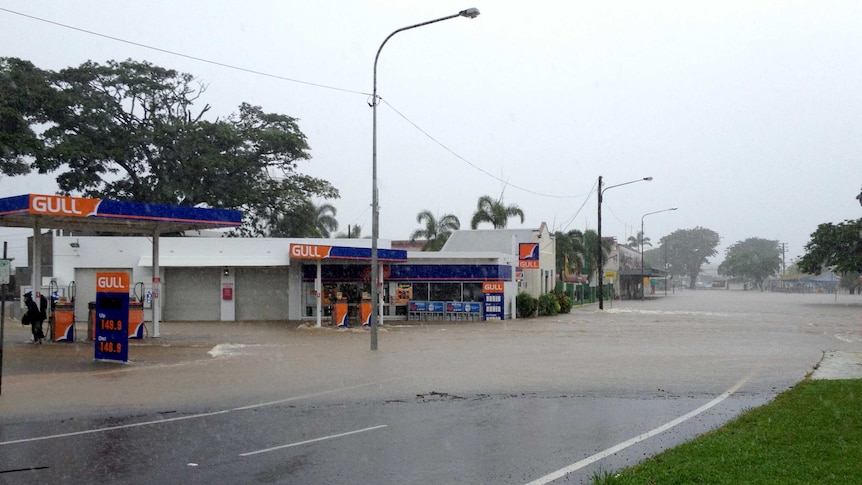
[{"x": 4, "y": 280}]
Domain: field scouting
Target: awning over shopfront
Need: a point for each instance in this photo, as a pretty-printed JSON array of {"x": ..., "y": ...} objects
[{"x": 321, "y": 252}]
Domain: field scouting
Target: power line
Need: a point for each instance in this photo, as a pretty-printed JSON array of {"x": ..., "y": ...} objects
[
  {"x": 459, "y": 157},
  {"x": 186, "y": 56},
  {"x": 284, "y": 78}
]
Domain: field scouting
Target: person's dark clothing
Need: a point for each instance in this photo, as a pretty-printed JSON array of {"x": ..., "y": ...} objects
[
  {"x": 34, "y": 318},
  {"x": 43, "y": 307}
]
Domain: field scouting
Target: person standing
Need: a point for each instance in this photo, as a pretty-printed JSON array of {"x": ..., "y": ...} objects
[
  {"x": 33, "y": 317},
  {"x": 43, "y": 312}
]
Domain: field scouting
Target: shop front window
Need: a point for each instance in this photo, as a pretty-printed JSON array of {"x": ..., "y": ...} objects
[
  {"x": 472, "y": 292},
  {"x": 420, "y": 292},
  {"x": 445, "y": 292}
]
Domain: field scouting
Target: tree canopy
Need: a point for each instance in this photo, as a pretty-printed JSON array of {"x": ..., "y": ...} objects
[
  {"x": 688, "y": 250},
  {"x": 838, "y": 246},
  {"x": 130, "y": 131},
  {"x": 754, "y": 258},
  {"x": 494, "y": 212},
  {"x": 436, "y": 231}
]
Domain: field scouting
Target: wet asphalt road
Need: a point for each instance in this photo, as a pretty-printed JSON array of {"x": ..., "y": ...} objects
[{"x": 495, "y": 402}]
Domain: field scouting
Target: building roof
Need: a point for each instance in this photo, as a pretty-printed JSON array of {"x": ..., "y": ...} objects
[{"x": 494, "y": 240}]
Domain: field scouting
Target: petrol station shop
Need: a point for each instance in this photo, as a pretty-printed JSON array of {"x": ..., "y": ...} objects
[{"x": 260, "y": 279}]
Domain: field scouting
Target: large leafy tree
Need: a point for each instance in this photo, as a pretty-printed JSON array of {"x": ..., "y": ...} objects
[
  {"x": 837, "y": 246},
  {"x": 25, "y": 97},
  {"x": 436, "y": 231},
  {"x": 688, "y": 250},
  {"x": 131, "y": 131},
  {"x": 753, "y": 258},
  {"x": 495, "y": 212}
]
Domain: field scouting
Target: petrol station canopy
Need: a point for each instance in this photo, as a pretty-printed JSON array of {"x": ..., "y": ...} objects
[
  {"x": 41, "y": 211},
  {"x": 109, "y": 216}
]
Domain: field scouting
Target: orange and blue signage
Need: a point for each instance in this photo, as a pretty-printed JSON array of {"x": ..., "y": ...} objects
[
  {"x": 528, "y": 255},
  {"x": 365, "y": 313},
  {"x": 340, "y": 314},
  {"x": 318, "y": 252},
  {"x": 112, "y": 316},
  {"x": 83, "y": 207}
]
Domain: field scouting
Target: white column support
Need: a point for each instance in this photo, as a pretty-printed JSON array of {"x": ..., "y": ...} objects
[{"x": 157, "y": 286}]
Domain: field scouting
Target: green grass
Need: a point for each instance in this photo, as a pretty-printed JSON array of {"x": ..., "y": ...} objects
[{"x": 810, "y": 434}]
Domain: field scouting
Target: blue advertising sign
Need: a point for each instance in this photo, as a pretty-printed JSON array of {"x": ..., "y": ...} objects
[{"x": 112, "y": 316}]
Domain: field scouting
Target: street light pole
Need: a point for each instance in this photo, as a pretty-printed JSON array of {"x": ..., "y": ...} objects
[
  {"x": 643, "y": 287},
  {"x": 599, "y": 268},
  {"x": 375, "y": 206}
]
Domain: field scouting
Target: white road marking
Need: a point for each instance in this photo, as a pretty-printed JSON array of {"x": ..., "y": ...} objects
[
  {"x": 315, "y": 440},
  {"x": 637, "y": 439},
  {"x": 192, "y": 416}
]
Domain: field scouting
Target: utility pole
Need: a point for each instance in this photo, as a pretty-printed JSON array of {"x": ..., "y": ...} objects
[{"x": 4, "y": 280}]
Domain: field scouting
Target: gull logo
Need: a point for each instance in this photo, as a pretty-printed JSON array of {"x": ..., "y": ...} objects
[
  {"x": 309, "y": 251},
  {"x": 60, "y": 205},
  {"x": 528, "y": 255},
  {"x": 112, "y": 282}
]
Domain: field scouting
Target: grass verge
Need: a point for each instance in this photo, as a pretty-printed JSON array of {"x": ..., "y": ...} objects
[{"x": 809, "y": 434}]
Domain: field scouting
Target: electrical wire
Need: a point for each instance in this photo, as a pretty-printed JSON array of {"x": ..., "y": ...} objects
[
  {"x": 318, "y": 85},
  {"x": 186, "y": 56},
  {"x": 480, "y": 169}
]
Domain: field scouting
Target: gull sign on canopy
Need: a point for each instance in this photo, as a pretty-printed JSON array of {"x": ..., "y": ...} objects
[{"x": 105, "y": 215}]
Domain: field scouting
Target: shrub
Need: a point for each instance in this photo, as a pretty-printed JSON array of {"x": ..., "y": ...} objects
[
  {"x": 549, "y": 304},
  {"x": 565, "y": 303},
  {"x": 526, "y": 305}
]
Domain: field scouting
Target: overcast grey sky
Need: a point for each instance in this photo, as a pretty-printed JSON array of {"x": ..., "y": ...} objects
[{"x": 747, "y": 114}]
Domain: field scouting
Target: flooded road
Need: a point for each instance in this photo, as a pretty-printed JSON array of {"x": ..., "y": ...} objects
[{"x": 482, "y": 402}]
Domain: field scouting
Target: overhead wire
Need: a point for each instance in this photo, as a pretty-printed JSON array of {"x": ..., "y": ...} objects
[{"x": 186, "y": 56}]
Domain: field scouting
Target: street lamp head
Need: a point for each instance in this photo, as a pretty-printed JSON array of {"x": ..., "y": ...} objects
[
  {"x": 673, "y": 208},
  {"x": 648, "y": 179},
  {"x": 470, "y": 13}
]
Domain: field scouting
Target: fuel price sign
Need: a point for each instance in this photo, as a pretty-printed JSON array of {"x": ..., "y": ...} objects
[{"x": 112, "y": 316}]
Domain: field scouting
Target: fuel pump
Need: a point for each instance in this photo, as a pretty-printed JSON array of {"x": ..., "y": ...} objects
[
  {"x": 53, "y": 290},
  {"x": 136, "y": 312},
  {"x": 63, "y": 314}
]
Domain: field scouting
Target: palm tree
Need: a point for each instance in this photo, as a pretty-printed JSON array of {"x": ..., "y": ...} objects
[
  {"x": 325, "y": 222},
  {"x": 493, "y": 211},
  {"x": 636, "y": 242},
  {"x": 590, "y": 241},
  {"x": 570, "y": 251},
  {"x": 353, "y": 232},
  {"x": 436, "y": 232}
]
